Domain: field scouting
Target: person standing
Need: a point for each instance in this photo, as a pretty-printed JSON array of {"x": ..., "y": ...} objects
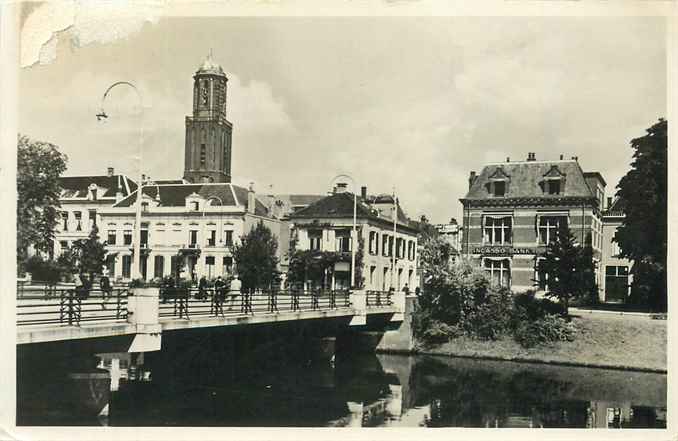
[
  {"x": 105, "y": 285},
  {"x": 202, "y": 288},
  {"x": 234, "y": 291},
  {"x": 219, "y": 295}
]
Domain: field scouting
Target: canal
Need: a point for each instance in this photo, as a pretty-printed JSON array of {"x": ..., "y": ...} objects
[{"x": 196, "y": 385}]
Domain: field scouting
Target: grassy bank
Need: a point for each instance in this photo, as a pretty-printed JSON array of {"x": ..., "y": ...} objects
[{"x": 609, "y": 340}]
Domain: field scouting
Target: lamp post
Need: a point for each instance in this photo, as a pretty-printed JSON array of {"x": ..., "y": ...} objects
[
  {"x": 136, "y": 272},
  {"x": 353, "y": 233}
]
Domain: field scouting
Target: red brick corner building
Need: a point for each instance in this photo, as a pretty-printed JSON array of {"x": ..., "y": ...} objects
[{"x": 513, "y": 209}]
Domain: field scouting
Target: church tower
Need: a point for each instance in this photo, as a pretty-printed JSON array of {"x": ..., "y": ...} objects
[{"x": 208, "y": 132}]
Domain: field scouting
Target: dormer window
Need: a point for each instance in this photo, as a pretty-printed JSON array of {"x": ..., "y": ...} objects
[
  {"x": 498, "y": 183},
  {"x": 499, "y": 189},
  {"x": 553, "y": 182},
  {"x": 554, "y": 186}
]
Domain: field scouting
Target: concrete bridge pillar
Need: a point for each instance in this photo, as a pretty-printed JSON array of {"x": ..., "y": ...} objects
[
  {"x": 142, "y": 311},
  {"x": 400, "y": 338},
  {"x": 358, "y": 300}
]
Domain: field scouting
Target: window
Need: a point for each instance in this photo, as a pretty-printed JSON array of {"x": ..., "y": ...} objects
[
  {"x": 92, "y": 218},
  {"x": 374, "y": 242},
  {"x": 212, "y": 238},
  {"x": 384, "y": 245},
  {"x": 64, "y": 218},
  {"x": 390, "y": 246},
  {"x": 126, "y": 266},
  {"x": 174, "y": 265},
  {"x": 497, "y": 230},
  {"x": 343, "y": 241},
  {"x": 553, "y": 186},
  {"x": 209, "y": 263},
  {"x": 499, "y": 188},
  {"x": 315, "y": 239},
  {"x": 127, "y": 237},
  {"x": 144, "y": 238},
  {"x": 193, "y": 238},
  {"x": 111, "y": 237},
  {"x": 548, "y": 227},
  {"x": 144, "y": 207},
  {"x": 410, "y": 250},
  {"x": 499, "y": 271},
  {"x": 203, "y": 155},
  {"x": 373, "y": 269},
  {"x": 63, "y": 244},
  {"x": 228, "y": 264},
  {"x": 110, "y": 264},
  {"x": 195, "y": 205},
  {"x": 159, "y": 267},
  {"x": 228, "y": 238},
  {"x": 78, "y": 218}
]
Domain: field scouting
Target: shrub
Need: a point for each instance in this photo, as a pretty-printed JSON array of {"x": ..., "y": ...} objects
[
  {"x": 43, "y": 270},
  {"x": 547, "y": 329},
  {"x": 440, "y": 332},
  {"x": 491, "y": 316}
]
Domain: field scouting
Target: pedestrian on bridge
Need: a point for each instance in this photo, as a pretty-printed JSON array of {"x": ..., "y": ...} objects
[
  {"x": 202, "y": 288},
  {"x": 234, "y": 291},
  {"x": 105, "y": 285},
  {"x": 219, "y": 295}
]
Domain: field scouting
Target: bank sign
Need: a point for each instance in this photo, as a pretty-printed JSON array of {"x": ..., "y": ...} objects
[{"x": 502, "y": 251}]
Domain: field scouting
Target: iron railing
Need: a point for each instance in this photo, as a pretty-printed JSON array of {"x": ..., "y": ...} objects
[
  {"x": 70, "y": 306},
  {"x": 378, "y": 298},
  {"x": 189, "y": 302}
]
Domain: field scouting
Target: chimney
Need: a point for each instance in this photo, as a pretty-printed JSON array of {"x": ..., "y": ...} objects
[
  {"x": 341, "y": 187},
  {"x": 609, "y": 202},
  {"x": 363, "y": 193},
  {"x": 471, "y": 179},
  {"x": 575, "y": 158},
  {"x": 561, "y": 157},
  {"x": 251, "y": 200},
  {"x": 530, "y": 156},
  {"x": 111, "y": 172},
  {"x": 508, "y": 159}
]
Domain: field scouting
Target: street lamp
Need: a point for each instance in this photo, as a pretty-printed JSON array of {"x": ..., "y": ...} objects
[
  {"x": 353, "y": 233},
  {"x": 137, "y": 225}
]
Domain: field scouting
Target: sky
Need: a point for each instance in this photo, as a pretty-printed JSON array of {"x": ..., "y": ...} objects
[{"x": 411, "y": 103}]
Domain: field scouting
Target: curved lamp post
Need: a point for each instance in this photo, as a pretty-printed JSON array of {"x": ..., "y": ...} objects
[
  {"x": 353, "y": 233},
  {"x": 137, "y": 224}
]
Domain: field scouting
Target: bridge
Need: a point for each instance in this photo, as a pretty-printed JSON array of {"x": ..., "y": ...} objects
[{"x": 52, "y": 314}]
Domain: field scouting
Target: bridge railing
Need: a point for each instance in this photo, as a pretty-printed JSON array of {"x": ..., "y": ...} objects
[
  {"x": 376, "y": 299},
  {"x": 70, "y": 306},
  {"x": 186, "y": 303}
]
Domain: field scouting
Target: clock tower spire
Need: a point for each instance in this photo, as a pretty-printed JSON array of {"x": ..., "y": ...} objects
[{"x": 208, "y": 132}]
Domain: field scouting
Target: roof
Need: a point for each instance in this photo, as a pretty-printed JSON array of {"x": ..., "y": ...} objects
[
  {"x": 340, "y": 205},
  {"x": 526, "y": 179},
  {"x": 78, "y": 186},
  {"x": 617, "y": 208},
  {"x": 595, "y": 175},
  {"x": 209, "y": 67},
  {"x": 169, "y": 181},
  {"x": 174, "y": 195}
]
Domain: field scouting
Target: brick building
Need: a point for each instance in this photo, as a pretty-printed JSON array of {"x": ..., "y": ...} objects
[
  {"x": 512, "y": 209},
  {"x": 617, "y": 280}
]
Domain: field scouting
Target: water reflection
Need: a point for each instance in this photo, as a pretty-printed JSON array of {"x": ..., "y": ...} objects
[{"x": 162, "y": 389}]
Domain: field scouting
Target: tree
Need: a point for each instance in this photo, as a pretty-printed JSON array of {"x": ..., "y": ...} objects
[
  {"x": 86, "y": 256},
  {"x": 434, "y": 256},
  {"x": 569, "y": 268},
  {"x": 39, "y": 165},
  {"x": 642, "y": 236},
  {"x": 255, "y": 258}
]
